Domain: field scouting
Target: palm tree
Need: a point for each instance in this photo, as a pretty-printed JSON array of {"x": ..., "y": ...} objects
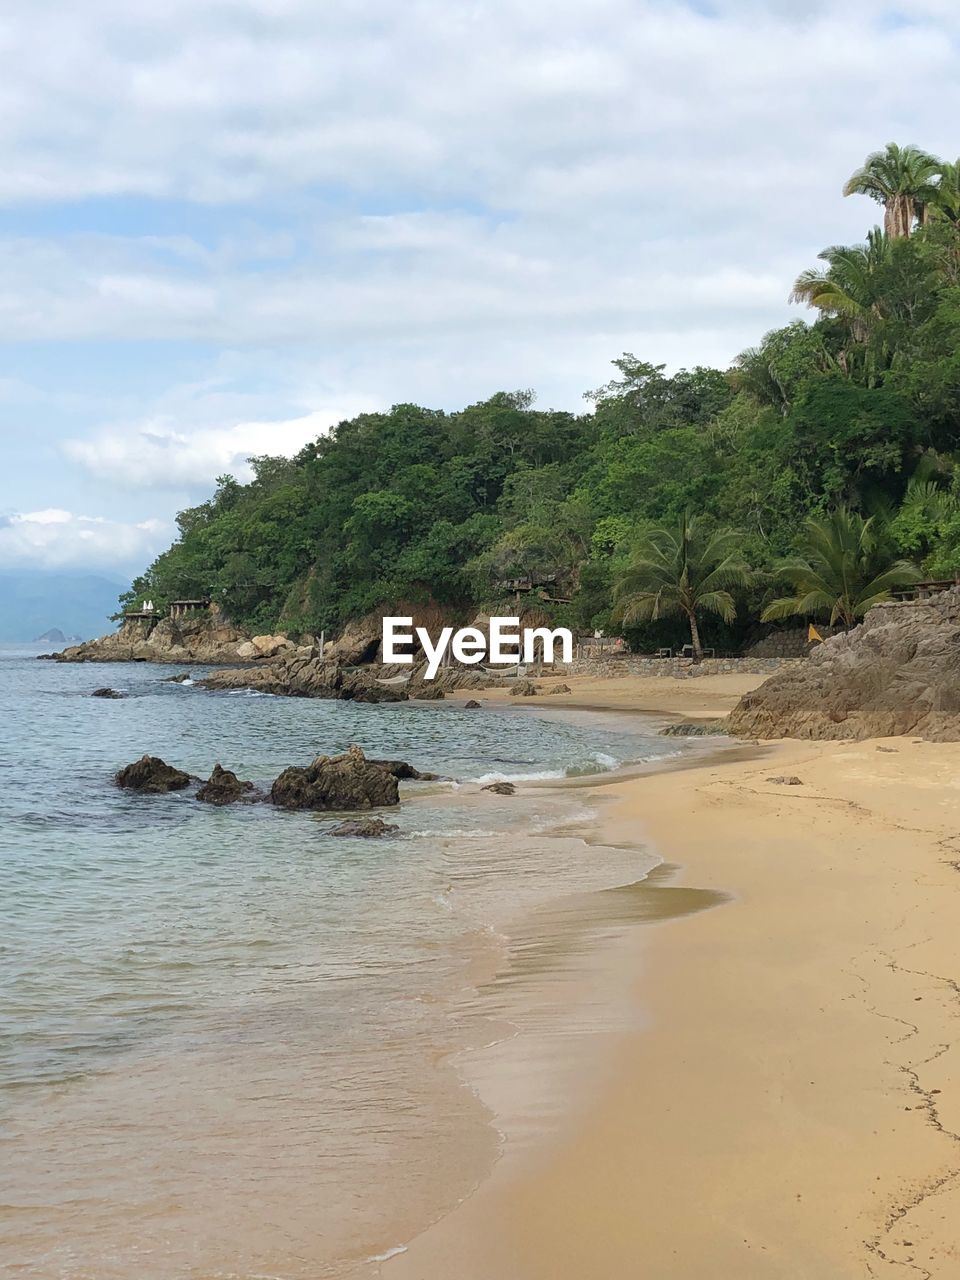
[
  {"x": 946, "y": 203},
  {"x": 842, "y": 567},
  {"x": 681, "y": 571},
  {"x": 846, "y": 287},
  {"x": 902, "y": 180}
]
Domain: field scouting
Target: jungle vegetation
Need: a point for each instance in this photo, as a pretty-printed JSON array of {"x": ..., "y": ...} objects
[{"x": 838, "y": 434}]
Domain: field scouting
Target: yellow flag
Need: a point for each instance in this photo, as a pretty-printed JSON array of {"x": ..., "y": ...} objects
[{"x": 813, "y": 635}]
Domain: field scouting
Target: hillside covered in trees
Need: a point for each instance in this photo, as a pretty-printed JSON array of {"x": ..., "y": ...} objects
[{"x": 829, "y": 452}]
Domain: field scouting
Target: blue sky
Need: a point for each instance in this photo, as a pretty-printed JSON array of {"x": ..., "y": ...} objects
[{"x": 225, "y": 225}]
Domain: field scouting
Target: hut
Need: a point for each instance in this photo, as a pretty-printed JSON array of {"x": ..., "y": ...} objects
[{"x": 187, "y": 608}]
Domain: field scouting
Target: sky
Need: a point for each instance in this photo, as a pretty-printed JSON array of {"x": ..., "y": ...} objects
[{"x": 225, "y": 225}]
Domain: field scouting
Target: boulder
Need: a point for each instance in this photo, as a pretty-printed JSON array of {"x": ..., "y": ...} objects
[
  {"x": 365, "y": 828},
  {"x": 501, "y": 788},
  {"x": 270, "y": 646},
  {"x": 471, "y": 705},
  {"x": 430, "y": 693},
  {"x": 559, "y": 688},
  {"x": 347, "y": 781},
  {"x": 107, "y": 693},
  {"x": 524, "y": 689},
  {"x": 151, "y": 776},
  {"x": 181, "y": 678},
  {"x": 247, "y": 651},
  {"x": 224, "y": 787},
  {"x": 786, "y": 780},
  {"x": 897, "y": 673},
  {"x": 358, "y": 640}
]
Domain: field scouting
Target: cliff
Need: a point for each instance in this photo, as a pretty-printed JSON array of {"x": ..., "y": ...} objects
[
  {"x": 896, "y": 673},
  {"x": 208, "y": 638}
]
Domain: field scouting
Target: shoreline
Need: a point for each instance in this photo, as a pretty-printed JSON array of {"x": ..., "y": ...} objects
[{"x": 792, "y": 1106}]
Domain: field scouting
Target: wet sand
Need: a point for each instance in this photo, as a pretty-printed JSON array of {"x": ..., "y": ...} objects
[{"x": 786, "y": 1101}]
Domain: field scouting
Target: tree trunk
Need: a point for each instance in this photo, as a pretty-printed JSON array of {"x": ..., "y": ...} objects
[{"x": 695, "y": 639}]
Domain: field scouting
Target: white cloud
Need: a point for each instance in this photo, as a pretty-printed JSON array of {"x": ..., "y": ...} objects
[
  {"x": 355, "y": 205},
  {"x": 160, "y": 454},
  {"x": 57, "y": 539}
]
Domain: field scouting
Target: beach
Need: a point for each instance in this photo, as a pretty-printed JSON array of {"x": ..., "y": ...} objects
[{"x": 788, "y": 1104}]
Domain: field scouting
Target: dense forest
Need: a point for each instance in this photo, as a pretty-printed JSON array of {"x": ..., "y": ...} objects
[{"x": 812, "y": 477}]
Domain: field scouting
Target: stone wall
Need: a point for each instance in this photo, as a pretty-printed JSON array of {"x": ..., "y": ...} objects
[
  {"x": 789, "y": 642},
  {"x": 677, "y": 668}
]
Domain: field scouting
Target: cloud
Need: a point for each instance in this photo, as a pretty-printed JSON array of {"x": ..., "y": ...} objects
[
  {"x": 312, "y": 209},
  {"x": 57, "y": 539},
  {"x": 352, "y": 185},
  {"x": 160, "y": 454}
]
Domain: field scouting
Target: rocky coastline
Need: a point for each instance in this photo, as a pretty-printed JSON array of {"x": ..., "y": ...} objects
[
  {"x": 306, "y": 674},
  {"x": 184, "y": 641},
  {"x": 895, "y": 674}
]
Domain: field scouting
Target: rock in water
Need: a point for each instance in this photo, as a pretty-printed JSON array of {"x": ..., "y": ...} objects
[
  {"x": 897, "y": 673},
  {"x": 402, "y": 770},
  {"x": 107, "y": 693},
  {"x": 151, "y": 776},
  {"x": 365, "y": 828},
  {"x": 501, "y": 788},
  {"x": 472, "y": 705},
  {"x": 348, "y": 781},
  {"x": 224, "y": 787}
]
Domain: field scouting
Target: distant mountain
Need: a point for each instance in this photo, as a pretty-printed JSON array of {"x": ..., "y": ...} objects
[{"x": 55, "y": 608}]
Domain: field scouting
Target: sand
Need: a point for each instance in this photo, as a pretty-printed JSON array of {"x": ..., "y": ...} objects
[{"x": 792, "y": 1108}]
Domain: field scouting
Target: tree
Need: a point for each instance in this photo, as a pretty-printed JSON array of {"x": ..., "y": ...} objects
[
  {"x": 902, "y": 180},
  {"x": 847, "y": 287},
  {"x": 946, "y": 203},
  {"x": 681, "y": 571},
  {"x": 844, "y": 567}
]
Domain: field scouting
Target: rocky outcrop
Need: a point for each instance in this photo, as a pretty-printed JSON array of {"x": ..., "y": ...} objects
[
  {"x": 348, "y": 781},
  {"x": 896, "y": 673},
  {"x": 358, "y": 641},
  {"x": 107, "y": 693},
  {"x": 151, "y": 776},
  {"x": 524, "y": 689},
  {"x": 266, "y": 646},
  {"x": 365, "y": 828},
  {"x": 404, "y": 771},
  {"x": 500, "y": 788},
  {"x": 206, "y": 639},
  {"x": 306, "y": 675},
  {"x": 694, "y": 729},
  {"x": 224, "y": 787}
]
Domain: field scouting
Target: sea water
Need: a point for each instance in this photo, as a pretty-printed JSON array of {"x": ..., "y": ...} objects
[{"x": 228, "y": 1039}]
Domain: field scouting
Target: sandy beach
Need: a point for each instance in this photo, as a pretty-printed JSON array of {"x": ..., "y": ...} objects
[{"x": 790, "y": 1106}]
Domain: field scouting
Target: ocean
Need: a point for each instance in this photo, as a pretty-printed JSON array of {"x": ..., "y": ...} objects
[{"x": 233, "y": 1046}]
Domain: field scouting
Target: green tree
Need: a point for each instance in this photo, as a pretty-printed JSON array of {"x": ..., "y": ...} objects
[
  {"x": 846, "y": 288},
  {"x": 843, "y": 568},
  {"x": 681, "y": 571},
  {"x": 903, "y": 180}
]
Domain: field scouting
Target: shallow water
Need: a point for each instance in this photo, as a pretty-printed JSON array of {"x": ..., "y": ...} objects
[{"x": 228, "y": 1040}]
